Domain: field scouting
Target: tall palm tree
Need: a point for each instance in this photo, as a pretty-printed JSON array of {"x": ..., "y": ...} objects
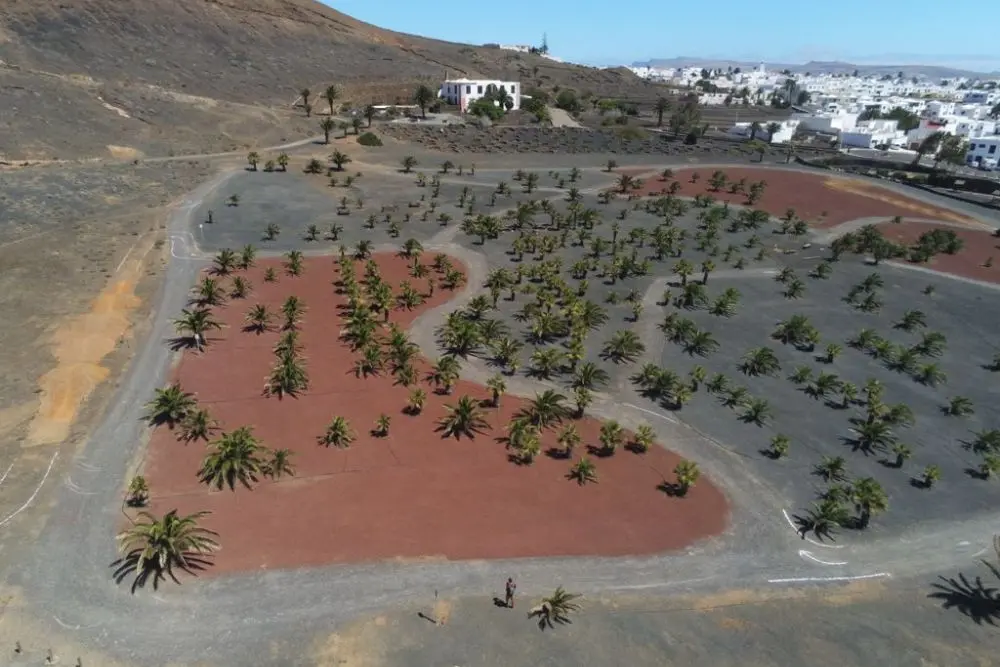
[
  {"x": 288, "y": 377},
  {"x": 832, "y": 469},
  {"x": 153, "y": 547},
  {"x": 869, "y": 499},
  {"x": 338, "y": 434},
  {"x": 192, "y": 326},
  {"x": 463, "y": 418},
  {"x": 327, "y": 125},
  {"x": 661, "y": 107},
  {"x": 170, "y": 405},
  {"x": 209, "y": 292},
  {"x": 497, "y": 386},
  {"x": 224, "y": 262},
  {"x": 330, "y": 95},
  {"x": 235, "y": 457},
  {"x": 874, "y": 435}
]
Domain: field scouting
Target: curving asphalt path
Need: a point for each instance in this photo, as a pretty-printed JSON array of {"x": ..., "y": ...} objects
[{"x": 66, "y": 586}]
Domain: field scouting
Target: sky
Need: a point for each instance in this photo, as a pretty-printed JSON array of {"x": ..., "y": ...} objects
[{"x": 865, "y": 32}]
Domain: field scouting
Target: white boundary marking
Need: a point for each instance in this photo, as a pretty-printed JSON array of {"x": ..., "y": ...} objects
[
  {"x": 651, "y": 412},
  {"x": 805, "y": 554},
  {"x": 72, "y": 486},
  {"x": 6, "y": 472},
  {"x": 803, "y": 580},
  {"x": 86, "y": 467},
  {"x": 809, "y": 539},
  {"x": 122, "y": 263},
  {"x": 33, "y": 495}
]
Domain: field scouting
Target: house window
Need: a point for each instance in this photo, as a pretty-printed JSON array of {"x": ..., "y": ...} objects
[
  {"x": 993, "y": 149},
  {"x": 479, "y": 89},
  {"x": 513, "y": 90}
]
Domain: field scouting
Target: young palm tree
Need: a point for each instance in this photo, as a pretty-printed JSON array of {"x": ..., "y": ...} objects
[
  {"x": 583, "y": 397},
  {"x": 382, "y": 426},
  {"x": 832, "y": 469},
  {"x": 235, "y": 457},
  {"x": 240, "y": 287},
  {"x": 825, "y": 517},
  {"x": 848, "y": 394},
  {"x": 959, "y": 406},
  {"x": 224, "y": 262},
  {"x": 444, "y": 374},
  {"x": 930, "y": 375},
  {"x": 153, "y": 548},
  {"x": 463, "y": 418},
  {"x": 911, "y": 320},
  {"x": 415, "y": 403},
  {"x": 197, "y": 425},
  {"x": 545, "y": 410},
  {"x": 338, "y": 434},
  {"x": 583, "y": 472},
  {"x": 779, "y": 446},
  {"x": 643, "y": 438},
  {"x": 869, "y": 499},
  {"x": 278, "y": 463},
  {"x": 258, "y": 319},
  {"x": 684, "y": 269},
  {"x": 170, "y": 405},
  {"x": 568, "y": 438},
  {"x": 555, "y": 609},
  {"x": 757, "y": 411},
  {"x": 873, "y": 435},
  {"x": 611, "y": 437},
  {"x": 137, "y": 494},
  {"x": 930, "y": 475},
  {"x": 719, "y": 384},
  {"x": 497, "y": 387},
  {"x": 192, "y": 326},
  {"x": 760, "y": 361},
  {"x": 989, "y": 466},
  {"x": 686, "y": 474},
  {"x": 248, "y": 256},
  {"x": 590, "y": 376},
  {"x": 624, "y": 346},
  {"x": 292, "y": 309},
  {"x": 287, "y": 378}
]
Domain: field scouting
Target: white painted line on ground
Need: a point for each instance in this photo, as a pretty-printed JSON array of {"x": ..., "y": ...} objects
[
  {"x": 67, "y": 626},
  {"x": 980, "y": 552},
  {"x": 805, "y": 554},
  {"x": 122, "y": 263},
  {"x": 6, "y": 472},
  {"x": 34, "y": 493},
  {"x": 87, "y": 467},
  {"x": 72, "y": 486},
  {"x": 803, "y": 580},
  {"x": 809, "y": 539},
  {"x": 651, "y": 412}
]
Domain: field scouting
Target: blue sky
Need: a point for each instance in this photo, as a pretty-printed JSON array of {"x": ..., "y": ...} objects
[{"x": 602, "y": 33}]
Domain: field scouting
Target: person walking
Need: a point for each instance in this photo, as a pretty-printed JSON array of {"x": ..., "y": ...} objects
[{"x": 509, "y": 593}]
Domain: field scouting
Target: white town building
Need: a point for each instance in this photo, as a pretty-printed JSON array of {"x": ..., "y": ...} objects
[
  {"x": 983, "y": 152},
  {"x": 463, "y": 92}
]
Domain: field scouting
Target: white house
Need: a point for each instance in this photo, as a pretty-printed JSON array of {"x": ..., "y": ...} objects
[
  {"x": 831, "y": 123},
  {"x": 983, "y": 151},
  {"x": 873, "y": 133},
  {"x": 463, "y": 92},
  {"x": 784, "y": 133}
]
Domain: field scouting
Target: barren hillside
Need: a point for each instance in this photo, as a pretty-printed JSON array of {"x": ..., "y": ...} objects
[{"x": 78, "y": 76}]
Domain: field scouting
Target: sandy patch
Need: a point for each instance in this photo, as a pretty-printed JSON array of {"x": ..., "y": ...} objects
[
  {"x": 125, "y": 152},
  {"x": 883, "y": 195}
]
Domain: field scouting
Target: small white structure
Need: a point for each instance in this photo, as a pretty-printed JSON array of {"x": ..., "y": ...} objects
[
  {"x": 983, "y": 152},
  {"x": 874, "y": 133},
  {"x": 783, "y": 134},
  {"x": 463, "y": 92}
]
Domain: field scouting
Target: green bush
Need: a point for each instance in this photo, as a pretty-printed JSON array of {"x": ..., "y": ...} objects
[{"x": 369, "y": 139}]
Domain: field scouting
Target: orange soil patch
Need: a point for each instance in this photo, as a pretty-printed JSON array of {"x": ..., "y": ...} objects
[
  {"x": 411, "y": 494},
  {"x": 980, "y": 245},
  {"x": 811, "y": 195}
]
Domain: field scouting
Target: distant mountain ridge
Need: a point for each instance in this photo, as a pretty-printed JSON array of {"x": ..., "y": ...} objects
[{"x": 825, "y": 67}]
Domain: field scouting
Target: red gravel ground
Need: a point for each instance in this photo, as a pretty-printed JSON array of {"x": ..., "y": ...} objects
[
  {"x": 968, "y": 262},
  {"x": 811, "y": 195},
  {"x": 411, "y": 494}
]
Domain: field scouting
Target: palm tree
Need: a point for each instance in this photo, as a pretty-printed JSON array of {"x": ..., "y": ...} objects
[
  {"x": 327, "y": 125},
  {"x": 497, "y": 387},
  {"x": 444, "y": 373},
  {"x": 339, "y": 159},
  {"x": 197, "y": 425},
  {"x": 253, "y": 159},
  {"x": 779, "y": 446},
  {"x": 832, "y": 469},
  {"x": 210, "y": 293},
  {"x": 624, "y": 346},
  {"x": 152, "y": 548},
  {"x": 583, "y": 472},
  {"x": 686, "y": 473},
  {"x": 912, "y": 319},
  {"x": 330, "y": 95},
  {"x": 701, "y": 343},
  {"x": 338, "y": 434},
  {"x": 192, "y": 326},
  {"x": 293, "y": 262},
  {"x": 959, "y": 406},
  {"x": 612, "y": 435},
  {"x": 415, "y": 403},
  {"x": 137, "y": 494},
  {"x": 590, "y": 376},
  {"x": 931, "y": 474},
  {"x": 683, "y": 268},
  {"x": 643, "y": 438},
  {"x": 224, "y": 262},
  {"x": 661, "y": 107},
  {"x": 824, "y": 517},
  {"x": 278, "y": 463},
  {"x": 874, "y": 435},
  {"x": 930, "y": 375},
  {"x": 568, "y": 438},
  {"x": 409, "y": 162},
  {"x": 756, "y": 411},
  {"x": 258, "y": 319},
  {"x": 288, "y": 377},
  {"x": 463, "y": 418},
  {"x": 583, "y": 397},
  {"x": 234, "y": 457},
  {"x": 423, "y": 97},
  {"x": 869, "y": 499},
  {"x": 169, "y": 406},
  {"x": 369, "y": 113},
  {"x": 555, "y": 609},
  {"x": 240, "y": 288},
  {"x": 760, "y": 361},
  {"x": 989, "y": 466},
  {"x": 292, "y": 309},
  {"x": 382, "y": 426},
  {"x": 901, "y": 452},
  {"x": 283, "y": 161},
  {"x": 546, "y": 409}
]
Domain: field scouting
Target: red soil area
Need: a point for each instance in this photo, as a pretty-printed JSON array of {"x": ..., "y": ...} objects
[
  {"x": 811, "y": 195},
  {"x": 979, "y": 246},
  {"x": 412, "y": 494}
]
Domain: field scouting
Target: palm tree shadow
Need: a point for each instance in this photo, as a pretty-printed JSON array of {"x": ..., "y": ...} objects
[
  {"x": 178, "y": 343},
  {"x": 971, "y": 597},
  {"x": 805, "y": 525},
  {"x": 128, "y": 566}
]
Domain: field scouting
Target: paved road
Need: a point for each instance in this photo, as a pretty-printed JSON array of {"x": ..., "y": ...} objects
[
  {"x": 65, "y": 585},
  {"x": 561, "y": 118}
]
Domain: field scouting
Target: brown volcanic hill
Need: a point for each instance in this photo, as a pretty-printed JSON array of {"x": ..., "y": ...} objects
[{"x": 162, "y": 76}]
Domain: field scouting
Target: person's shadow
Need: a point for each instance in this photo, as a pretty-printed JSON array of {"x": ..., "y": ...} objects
[{"x": 500, "y": 603}]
